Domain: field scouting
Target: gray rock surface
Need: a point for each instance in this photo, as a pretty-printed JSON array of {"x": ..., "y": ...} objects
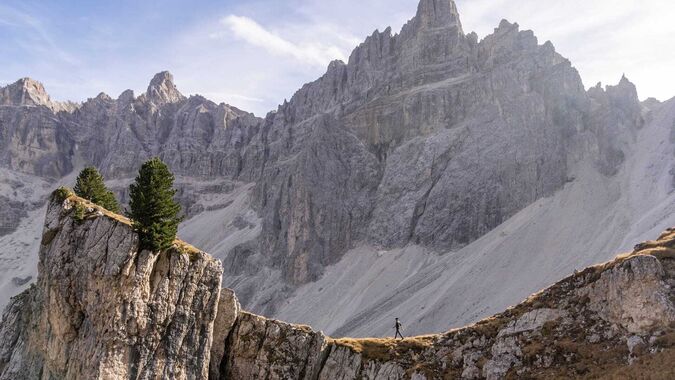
[
  {"x": 426, "y": 137},
  {"x": 633, "y": 295},
  {"x": 226, "y": 316},
  {"x": 261, "y": 348},
  {"x": 101, "y": 309}
]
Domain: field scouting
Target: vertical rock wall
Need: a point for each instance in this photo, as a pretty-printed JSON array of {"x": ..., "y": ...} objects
[{"x": 101, "y": 309}]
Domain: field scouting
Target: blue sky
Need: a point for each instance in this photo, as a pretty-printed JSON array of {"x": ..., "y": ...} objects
[{"x": 255, "y": 53}]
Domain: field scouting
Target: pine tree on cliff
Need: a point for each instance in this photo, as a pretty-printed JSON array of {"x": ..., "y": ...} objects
[
  {"x": 153, "y": 209},
  {"x": 90, "y": 186}
]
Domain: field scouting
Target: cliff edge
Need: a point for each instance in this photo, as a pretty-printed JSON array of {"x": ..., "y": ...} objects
[{"x": 101, "y": 309}]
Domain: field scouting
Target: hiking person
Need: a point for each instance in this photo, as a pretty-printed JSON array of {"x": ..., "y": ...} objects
[{"x": 399, "y": 327}]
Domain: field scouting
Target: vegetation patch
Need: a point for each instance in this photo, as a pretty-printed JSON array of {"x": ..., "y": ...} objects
[
  {"x": 90, "y": 186},
  {"x": 489, "y": 327},
  {"x": 79, "y": 212},
  {"x": 186, "y": 248},
  {"x": 75, "y": 200},
  {"x": 81, "y": 205},
  {"x": 153, "y": 208},
  {"x": 61, "y": 194},
  {"x": 666, "y": 341},
  {"x": 384, "y": 349}
]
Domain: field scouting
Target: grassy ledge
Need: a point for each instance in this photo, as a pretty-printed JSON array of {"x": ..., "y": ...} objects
[
  {"x": 84, "y": 209},
  {"x": 385, "y": 348}
]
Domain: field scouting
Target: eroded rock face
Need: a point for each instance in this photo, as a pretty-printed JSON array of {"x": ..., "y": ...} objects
[
  {"x": 633, "y": 295},
  {"x": 261, "y": 348},
  {"x": 227, "y": 315},
  {"x": 101, "y": 309},
  {"x": 28, "y": 92},
  {"x": 195, "y": 136},
  {"x": 616, "y": 113},
  {"x": 429, "y": 136}
]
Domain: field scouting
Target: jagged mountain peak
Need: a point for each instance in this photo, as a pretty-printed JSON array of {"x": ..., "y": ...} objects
[
  {"x": 627, "y": 85},
  {"x": 127, "y": 96},
  {"x": 163, "y": 90},
  {"x": 25, "y": 91},
  {"x": 103, "y": 96},
  {"x": 29, "y": 92},
  {"x": 30, "y": 84},
  {"x": 624, "y": 89},
  {"x": 437, "y": 14}
]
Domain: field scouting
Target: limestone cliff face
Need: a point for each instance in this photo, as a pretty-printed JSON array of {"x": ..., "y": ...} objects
[
  {"x": 428, "y": 137},
  {"x": 196, "y": 136},
  {"x": 103, "y": 310}
]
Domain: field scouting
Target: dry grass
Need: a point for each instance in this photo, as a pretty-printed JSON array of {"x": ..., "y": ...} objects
[
  {"x": 94, "y": 210},
  {"x": 186, "y": 248},
  {"x": 386, "y": 348},
  {"x": 657, "y": 366}
]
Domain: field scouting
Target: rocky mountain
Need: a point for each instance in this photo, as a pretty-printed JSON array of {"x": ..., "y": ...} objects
[
  {"x": 403, "y": 173},
  {"x": 101, "y": 309}
]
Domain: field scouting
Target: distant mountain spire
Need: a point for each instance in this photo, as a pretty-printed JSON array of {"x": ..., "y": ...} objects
[
  {"x": 437, "y": 14},
  {"x": 162, "y": 89},
  {"x": 25, "y": 91}
]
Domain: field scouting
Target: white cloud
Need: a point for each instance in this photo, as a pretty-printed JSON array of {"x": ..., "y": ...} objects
[{"x": 255, "y": 34}]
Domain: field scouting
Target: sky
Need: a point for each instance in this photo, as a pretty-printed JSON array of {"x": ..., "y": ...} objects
[{"x": 253, "y": 54}]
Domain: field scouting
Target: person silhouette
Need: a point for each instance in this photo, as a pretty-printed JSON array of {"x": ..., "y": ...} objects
[{"x": 399, "y": 327}]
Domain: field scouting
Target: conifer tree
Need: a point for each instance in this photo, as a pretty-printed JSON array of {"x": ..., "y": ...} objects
[
  {"x": 90, "y": 186},
  {"x": 153, "y": 209}
]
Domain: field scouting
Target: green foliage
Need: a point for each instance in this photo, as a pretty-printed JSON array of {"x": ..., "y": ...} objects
[
  {"x": 61, "y": 194},
  {"x": 153, "y": 209},
  {"x": 80, "y": 213},
  {"x": 90, "y": 186}
]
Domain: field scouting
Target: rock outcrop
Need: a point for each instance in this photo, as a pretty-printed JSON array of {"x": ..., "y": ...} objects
[
  {"x": 102, "y": 310},
  {"x": 426, "y": 137}
]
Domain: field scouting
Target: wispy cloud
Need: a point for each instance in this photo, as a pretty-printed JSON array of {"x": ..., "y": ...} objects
[
  {"x": 32, "y": 36},
  {"x": 255, "y": 34}
]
